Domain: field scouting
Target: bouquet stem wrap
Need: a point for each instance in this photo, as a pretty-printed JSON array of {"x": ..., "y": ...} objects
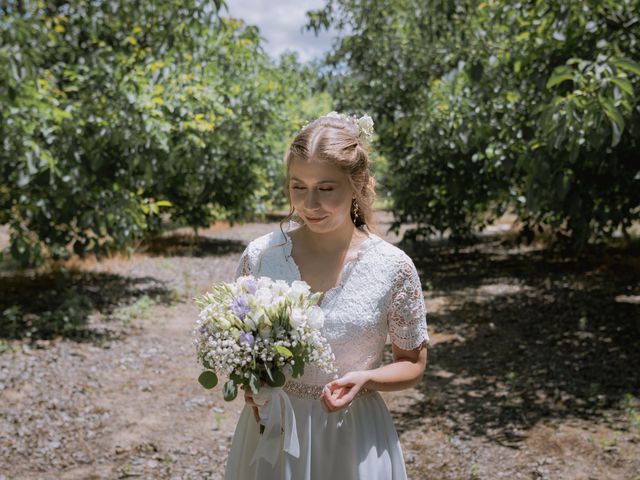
[{"x": 276, "y": 414}]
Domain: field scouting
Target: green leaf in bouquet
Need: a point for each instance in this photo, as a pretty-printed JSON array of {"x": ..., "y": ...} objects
[
  {"x": 297, "y": 350},
  {"x": 284, "y": 351},
  {"x": 298, "y": 368},
  {"x": 278, "y": 379},
  {"x": 208, "y": 379},
  {"x": 254, "y": 383},
  {"x": 269, "y": 374},
  {"x": 229, "y": 391}
]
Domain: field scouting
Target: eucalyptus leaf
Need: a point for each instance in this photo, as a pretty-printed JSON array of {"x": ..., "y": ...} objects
[
  {"x": 208, "y": 379},
  {"x": 254, "y": 383},
  {"x": 229, "y": 391}
]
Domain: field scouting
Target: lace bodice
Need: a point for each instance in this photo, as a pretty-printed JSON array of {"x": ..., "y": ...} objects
[{"x": 379, "y": 294}]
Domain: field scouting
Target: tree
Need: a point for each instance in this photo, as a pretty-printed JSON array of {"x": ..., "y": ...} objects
[
  {"x": 486, "y": 106},
  {"x": 114, "y": 110}
]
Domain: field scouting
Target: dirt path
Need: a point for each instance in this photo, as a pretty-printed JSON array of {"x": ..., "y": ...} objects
[{"x": 127, "y": 404}]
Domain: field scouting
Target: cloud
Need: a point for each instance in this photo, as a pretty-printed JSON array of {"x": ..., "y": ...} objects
[{"x": 280, "y": 23}]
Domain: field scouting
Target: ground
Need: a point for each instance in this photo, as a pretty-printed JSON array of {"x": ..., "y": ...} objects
[{"x": 533, "y": 364}]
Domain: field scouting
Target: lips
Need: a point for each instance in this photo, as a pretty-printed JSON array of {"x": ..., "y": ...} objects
[{"x": 315, "y": 219}]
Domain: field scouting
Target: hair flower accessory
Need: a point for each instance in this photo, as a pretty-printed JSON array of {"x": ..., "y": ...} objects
[{"x": 364, "y": 123}]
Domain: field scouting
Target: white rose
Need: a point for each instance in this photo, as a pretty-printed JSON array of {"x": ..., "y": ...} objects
[
  {"x": 316, "y": 317},
  {"x": 264, "y": 282},
  {"x": 280, "y": 287},
  {"x": 279, "y": 300},
  {"x": 299, "y": 287},
  {"x": 297, "y": 317},
  {"x": 263, "y": 296}
]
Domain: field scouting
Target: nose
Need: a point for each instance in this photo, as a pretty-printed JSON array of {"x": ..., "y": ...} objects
[{"x": 311, "y": 200}]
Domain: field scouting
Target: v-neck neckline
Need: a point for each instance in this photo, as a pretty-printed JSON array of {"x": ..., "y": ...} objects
[{"x": 346, "y": 267}]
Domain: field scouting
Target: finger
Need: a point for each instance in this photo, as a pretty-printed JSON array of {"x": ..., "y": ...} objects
[
  {"x": 326, "y": 405},
  {"x": 248, "y": 399},
  {"x": 256, "y": 414},
  {"x": 344, "y": 401},
  {"x": 341, "y": 392},
  {"x": 331, "y": 403}
]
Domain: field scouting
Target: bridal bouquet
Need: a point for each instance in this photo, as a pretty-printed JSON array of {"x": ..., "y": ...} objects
[{"x": 259, "y": 331}]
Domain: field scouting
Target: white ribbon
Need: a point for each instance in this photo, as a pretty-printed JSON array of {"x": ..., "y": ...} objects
[{"x": 277, "y": 415}]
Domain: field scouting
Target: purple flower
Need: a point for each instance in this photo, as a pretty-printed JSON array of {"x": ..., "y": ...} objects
[
  {"x": 252, "y": 286},
  {"x": 247, "y": 338},
  {"x": 241, "y": 306}
]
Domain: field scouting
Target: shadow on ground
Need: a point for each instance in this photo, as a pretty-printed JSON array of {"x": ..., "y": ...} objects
[
  {"x": 186, "y": 245},
  {"x": 527, "y": 336},
  {"x": 41, "y": 306}
]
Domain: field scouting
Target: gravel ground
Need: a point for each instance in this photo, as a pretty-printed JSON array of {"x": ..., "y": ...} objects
[{"x": 532, "y": 375}]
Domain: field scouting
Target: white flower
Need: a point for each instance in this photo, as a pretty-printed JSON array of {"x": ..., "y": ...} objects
[
  {"x": 300, "y": 288},
  {"x": 251, "y": 322},
  {"x": 223, "y": 323},
  {"x": 263, "y": 296},
  {"x": 297, "y": 318},
  {"x": 280, "y": 287},
  {"x": 365, "y": 124}
]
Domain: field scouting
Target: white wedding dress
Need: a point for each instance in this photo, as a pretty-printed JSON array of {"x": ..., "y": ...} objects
[{"x": 379, "y": 295}]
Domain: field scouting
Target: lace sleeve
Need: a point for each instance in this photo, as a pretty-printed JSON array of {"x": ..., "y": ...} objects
[
  {"x": 243, "y": 267},
  {"x": 407, "y": 311}
]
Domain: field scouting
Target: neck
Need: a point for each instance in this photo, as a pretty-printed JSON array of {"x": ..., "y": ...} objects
[{"x": 331, "y": 242}]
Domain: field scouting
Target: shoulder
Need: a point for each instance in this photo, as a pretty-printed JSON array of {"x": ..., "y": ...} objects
[
  {"x": 393, "y": 256},
  {"x": 268, "y": 241}
]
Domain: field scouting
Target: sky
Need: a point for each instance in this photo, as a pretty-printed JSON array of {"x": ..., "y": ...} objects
[{"x": 280, "y": 23}]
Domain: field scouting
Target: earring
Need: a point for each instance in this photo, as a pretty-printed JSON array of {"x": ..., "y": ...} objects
[{"x": 355, "y": 210}]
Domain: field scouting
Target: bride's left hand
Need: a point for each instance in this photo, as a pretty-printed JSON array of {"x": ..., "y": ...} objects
[{"x": 340, "y": 393}]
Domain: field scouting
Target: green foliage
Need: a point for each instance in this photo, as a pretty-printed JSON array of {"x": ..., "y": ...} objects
[
  {"x": 208, "y": 379},
  {"x": 116, "y": 111},
  {"x": 486, "y": 106},
  {"x": 229, "y": 391}
]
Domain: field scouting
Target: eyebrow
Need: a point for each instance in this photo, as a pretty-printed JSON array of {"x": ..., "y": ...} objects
[{"x": 322, "y": 181}]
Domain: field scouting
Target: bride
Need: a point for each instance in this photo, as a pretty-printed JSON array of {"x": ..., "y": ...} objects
[{"x": 371, "y": 292}]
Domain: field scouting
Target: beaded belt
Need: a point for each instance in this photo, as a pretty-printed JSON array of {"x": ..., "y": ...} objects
[{"x": 306, "y": 390}]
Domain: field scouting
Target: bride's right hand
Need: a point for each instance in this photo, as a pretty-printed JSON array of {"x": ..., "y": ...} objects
[{"x": 248, "y": 399}]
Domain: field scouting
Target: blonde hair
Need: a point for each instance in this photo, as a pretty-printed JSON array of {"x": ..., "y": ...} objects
[{"x": 338, "y": 142}]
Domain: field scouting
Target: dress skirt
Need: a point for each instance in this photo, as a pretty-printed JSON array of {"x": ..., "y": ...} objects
[{"x": 359, "y": 442}]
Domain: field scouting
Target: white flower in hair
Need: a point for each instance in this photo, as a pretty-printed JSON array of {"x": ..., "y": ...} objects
[{"x": 364, "y": 123}]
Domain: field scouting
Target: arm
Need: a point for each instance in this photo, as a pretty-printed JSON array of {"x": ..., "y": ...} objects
[
  {"x": 406, "y": 371},
  {"x": 407, "y": 326}
]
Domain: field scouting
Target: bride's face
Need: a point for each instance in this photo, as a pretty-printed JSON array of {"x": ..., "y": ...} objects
[{"x": 320, "y": 193}]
